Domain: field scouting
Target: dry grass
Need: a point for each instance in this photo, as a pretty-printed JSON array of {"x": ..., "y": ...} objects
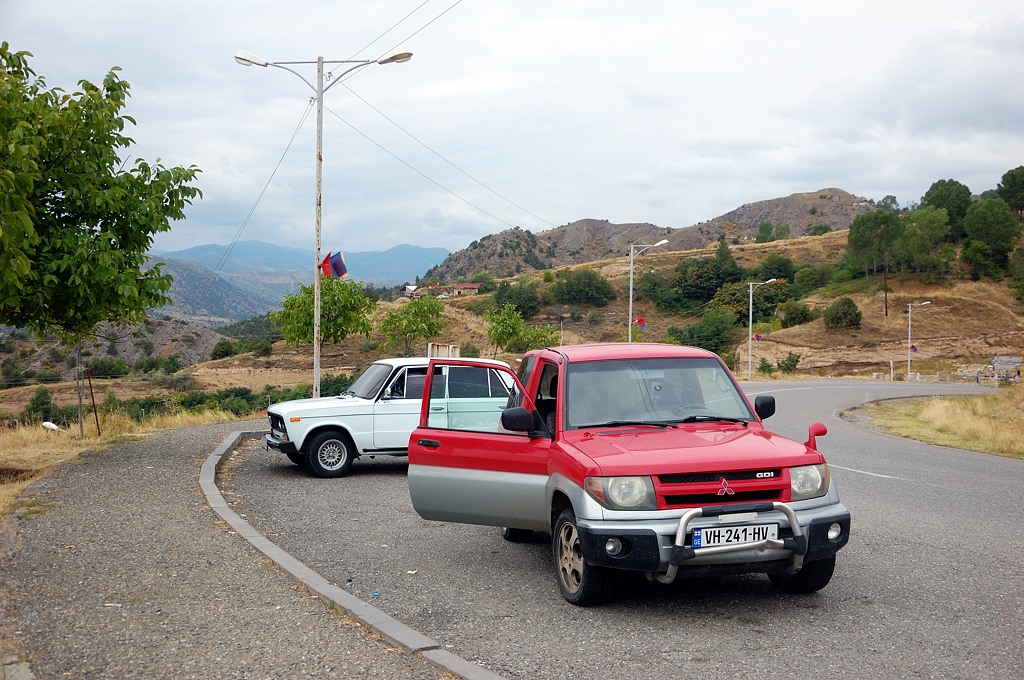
[
  {"x": 28, "y": 453},
  {"x": 991, "y": 423}
]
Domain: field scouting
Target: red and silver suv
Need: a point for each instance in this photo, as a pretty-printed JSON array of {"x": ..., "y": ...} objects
[{"x": 641, "y": 457}]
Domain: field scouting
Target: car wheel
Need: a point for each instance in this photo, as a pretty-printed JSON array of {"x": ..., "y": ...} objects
[
  {"x": 581, "y": 584},
  {"x": 516, "y": 535},
  {"x": 297, "y": 458},
  {"x": 331, "y": 454},
  {"x": 813, "y": 577}
]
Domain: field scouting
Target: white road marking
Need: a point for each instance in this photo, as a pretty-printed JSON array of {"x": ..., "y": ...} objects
[{"x": 872, "y": 474}]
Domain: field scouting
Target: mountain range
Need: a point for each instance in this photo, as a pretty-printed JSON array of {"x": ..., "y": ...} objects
[{"x": 215, "y": 284}]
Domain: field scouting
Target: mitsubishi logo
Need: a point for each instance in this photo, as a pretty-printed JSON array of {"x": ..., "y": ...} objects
[{"x": 726, "y": 490}]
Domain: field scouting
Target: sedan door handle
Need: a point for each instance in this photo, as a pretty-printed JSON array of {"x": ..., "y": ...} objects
[
  {"x": 431, "y": 443},
  {"x": 437, "y": 408}
]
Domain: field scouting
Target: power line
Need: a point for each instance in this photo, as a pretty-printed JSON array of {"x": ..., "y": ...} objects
[{"x": 238, "y": 234}]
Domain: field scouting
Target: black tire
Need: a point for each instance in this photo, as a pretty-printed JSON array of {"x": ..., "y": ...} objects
[
  {"x": 516, "y": 535},
  {"x": 330, "y": 454},
  {"x": 297, "y": 458},
  {"x": 813, "y": 577},
  {"x": 581, "y": 584}
]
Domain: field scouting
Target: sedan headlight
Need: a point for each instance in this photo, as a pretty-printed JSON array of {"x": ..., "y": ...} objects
[
  {"x": 623, "y": 493},
  {"x": 808, "y": 481}
]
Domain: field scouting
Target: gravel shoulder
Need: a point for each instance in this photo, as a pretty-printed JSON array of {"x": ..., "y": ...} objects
[{"x": 129, "y": 574}]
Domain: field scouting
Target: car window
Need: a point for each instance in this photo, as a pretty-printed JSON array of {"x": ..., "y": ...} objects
[
  {"x": 468, "y": 398},
  {"x": 649, "y": 390},
  {"x": 369, "y": 384},
  {"x": 408, "y": 384}
]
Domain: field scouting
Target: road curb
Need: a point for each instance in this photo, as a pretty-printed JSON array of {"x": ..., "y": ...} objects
[{"x": 391, "y": 629}]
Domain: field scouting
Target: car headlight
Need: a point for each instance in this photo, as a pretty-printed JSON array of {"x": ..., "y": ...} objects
[
  {"x": 623, "y": 493},
  {"x": 808, "y": 481}
]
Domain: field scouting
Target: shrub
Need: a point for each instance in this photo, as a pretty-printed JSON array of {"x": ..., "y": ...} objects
[
  {"x": 583, "y": 286},
  {"x": 788, "y": 365},
  {"x": 842, "y": 313},
  {"x": 224, "y": 348},
  {"x": 765, "y": 366},
  {"x": 795, "y": 313},
  {"x": 108, "y": 367},
  {"x": 40, "y": 407}
]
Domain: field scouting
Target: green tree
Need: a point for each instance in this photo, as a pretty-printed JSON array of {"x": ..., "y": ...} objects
[
  {"x": 872, "y": 241},
  {"x": 522, "y": 295},
  {"x": 889, "y": 204},
  {"x": 777, "y": 266},
  {"x": 507, "y": 330},
  {"x": 223, "y": 348},
  {"x": 843, "y": 313},
  {"x": 1011, "y": 189},
  {"x": 713, "y": 332},
  {"x": 416, "y": 320},
  {"x": 344, "y": 310},
  {"x": 77, "y": 218},
  {"x": 736, "y": 297},
  {"x": 504, "y": 327},
  {"x": 955, "y": 198},
  {"x": 40, "y": 407},
  {"x": 922, "y": 245},
  {"x": 108, "y": 367},
  {"x": 583, "y": 287},
  {"x": 993, "y": 223},
  {"x": 789, "y": 364},
  {"x": 795, "y": 313}
]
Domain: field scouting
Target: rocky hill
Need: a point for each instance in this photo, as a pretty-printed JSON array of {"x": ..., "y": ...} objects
[
  {"x": 515, "y": 251},
  {"x": 204, "y": 298},
  {"x": 832, "y": 208}
]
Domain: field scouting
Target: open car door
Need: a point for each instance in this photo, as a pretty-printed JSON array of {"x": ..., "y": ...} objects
[{"x": 463, "y": 466}]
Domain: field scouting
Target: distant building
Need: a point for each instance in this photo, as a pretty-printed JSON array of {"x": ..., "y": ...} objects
[
  {"x": 465, "y": 289},
  {"x": 1007, "y": 366}
]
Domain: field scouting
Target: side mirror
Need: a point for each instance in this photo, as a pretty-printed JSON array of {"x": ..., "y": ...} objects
[
  {"x": 521, "y": 419},
  {"x": 764, "y": 406},
  {"x": 815, "y": 430}
]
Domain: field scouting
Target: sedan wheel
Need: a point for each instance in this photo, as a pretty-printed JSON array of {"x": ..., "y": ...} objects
[
  {"x": 331, "y": 454},
  {"x": 581, "y": 584}
]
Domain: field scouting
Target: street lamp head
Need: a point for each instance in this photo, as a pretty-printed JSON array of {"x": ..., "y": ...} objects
[
  {"x": 660, "y": 243},
  {"x": 246, "y": 58},
  {"x": 771, "y": 281},
  {"x": 399, "y": 58},
  {"x": 926, "y": 302}
]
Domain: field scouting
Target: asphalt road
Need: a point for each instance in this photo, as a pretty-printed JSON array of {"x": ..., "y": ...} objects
[{"x": 930, "y": 585}]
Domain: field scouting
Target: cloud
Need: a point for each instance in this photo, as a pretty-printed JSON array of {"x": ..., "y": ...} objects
[{"x": 536, "y": 113}]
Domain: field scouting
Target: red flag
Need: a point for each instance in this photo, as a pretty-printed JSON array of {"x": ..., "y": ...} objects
[{"x": 325, "y": 266}]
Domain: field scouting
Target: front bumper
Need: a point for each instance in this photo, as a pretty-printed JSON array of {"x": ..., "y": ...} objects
[
  {"x": 284, "y": 446},
  {"x": 665, "y": 547}
]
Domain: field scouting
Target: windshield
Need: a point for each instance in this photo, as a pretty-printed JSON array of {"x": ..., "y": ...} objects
[
  {"x": 369, "y": 383},
  {"x": 655, "y": 391}
]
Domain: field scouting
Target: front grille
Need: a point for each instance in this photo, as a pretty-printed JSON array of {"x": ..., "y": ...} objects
[
  {"x": 705, "y": 477},
  {"x": 693, "y": 489},
  {"x": 715, "y": 499}
]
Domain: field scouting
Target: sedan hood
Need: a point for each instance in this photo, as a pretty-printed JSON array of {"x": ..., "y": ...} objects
[
  {"x": 322, "y": 406},
  {"x": 705, "y": 447}
]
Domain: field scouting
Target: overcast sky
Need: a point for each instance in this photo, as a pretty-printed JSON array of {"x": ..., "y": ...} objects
[{"x": 537, "y": 113}]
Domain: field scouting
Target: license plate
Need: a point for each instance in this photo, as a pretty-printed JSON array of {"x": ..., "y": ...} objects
[{"x": 748, "y": 533}]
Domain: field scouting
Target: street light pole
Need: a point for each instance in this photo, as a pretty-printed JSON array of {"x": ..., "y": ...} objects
[
  {"x": 910, "y": 311},
  {"x": 643, "y": 247},
  {"x": 750, "y": 326},
  {"x": 249, "y": 59}
]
